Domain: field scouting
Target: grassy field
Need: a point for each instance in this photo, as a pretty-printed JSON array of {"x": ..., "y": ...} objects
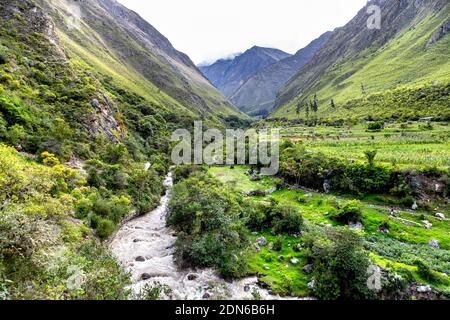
[
  {"x": 407, "y": 234},
  {"x": 407, "y": 145}
]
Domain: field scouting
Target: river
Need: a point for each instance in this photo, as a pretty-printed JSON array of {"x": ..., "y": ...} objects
[{"x": 144, "y": 247}]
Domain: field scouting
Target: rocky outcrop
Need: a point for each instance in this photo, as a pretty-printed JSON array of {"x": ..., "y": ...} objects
[
  {"x": 103, "y": 119},
  {"x": 440, "y": 32}
]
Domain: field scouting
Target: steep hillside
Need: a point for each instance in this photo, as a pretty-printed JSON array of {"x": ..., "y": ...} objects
[
  {"x": 116, "y": 40},
  {"x": 257, "y": 95},
  {"x": 229, "y": 75},
  {"x": 390, "y": 66}
]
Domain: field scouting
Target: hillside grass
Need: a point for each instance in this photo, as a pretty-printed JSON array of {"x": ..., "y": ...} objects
[{"x": 389, "y": 75}]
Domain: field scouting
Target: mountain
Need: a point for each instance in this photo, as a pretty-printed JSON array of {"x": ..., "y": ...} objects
[
  {"x": 114, "y": 39},
  {"x": 257, "y": 95},
  {"x": 370, "y": 72},
  {"x": 229, "y": 74}
]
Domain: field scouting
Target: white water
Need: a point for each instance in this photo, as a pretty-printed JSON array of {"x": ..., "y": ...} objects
[{"x": 148, "y": 236}]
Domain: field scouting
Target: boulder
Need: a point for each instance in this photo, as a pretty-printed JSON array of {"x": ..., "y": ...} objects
[
  {"x": 440, "y": 216},
  {"x": 257, "y": 248},
  {"x": 312, "y": 284},
  {"x": 356, "y": 226},
  {"x": 308, "y": 268},
  {"x": 294, "y": 261},
  {"x": 434, "y": 243},
  {"x": 327, "y": 186},
  {"x": 95, "y": 103},
  {"x": 261, "y": 241},
  {"x": 423, "y": 289},
  {"x": 140, "y": 259},
  {"x": 255, "y": 177}
]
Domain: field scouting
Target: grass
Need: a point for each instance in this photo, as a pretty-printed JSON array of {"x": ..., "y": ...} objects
[
  {"x": 282, "y": 276},
  {"x": 407, "y": 146},
  {"x": 276, "y": 269}
]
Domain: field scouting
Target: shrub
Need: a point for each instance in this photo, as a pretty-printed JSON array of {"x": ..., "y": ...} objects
[
  {"x": 375, "y": 126},
  {"x": 351, "y": 211},
  {"x": 278, "y": 244},
  {"x": 288, "y": 219},
  {"x": 105, "y": 228},
  {"x": 340, "y": 265},
  {"x": 424, "y": 270}
]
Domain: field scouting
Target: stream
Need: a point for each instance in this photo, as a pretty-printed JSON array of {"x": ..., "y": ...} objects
[{"x": 144, "y": 247}]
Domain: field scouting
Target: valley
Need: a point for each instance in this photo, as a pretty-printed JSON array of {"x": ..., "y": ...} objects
[{"x": 95, "y": 206}]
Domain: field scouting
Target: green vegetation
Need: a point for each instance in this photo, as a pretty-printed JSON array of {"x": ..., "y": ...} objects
[{"x": 45, "y": 252}]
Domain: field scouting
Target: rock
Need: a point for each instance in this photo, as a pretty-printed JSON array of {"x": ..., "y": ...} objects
[
  {"x": 308, "y": 268},
  {"x": 257, "y": 248},
  {"x": 434, "y": 243},
  {"x": 326, "y": 213},
  {"x": 294, "y": 261},
  {"x": 308, "y": 195},
  {"x": 145, "y": 276},
  {"x": 415, "y": 206},
  {"x": 192, "y": 277},
  {"x": 423, "y": 289},
  {"x": 95, "y": 103},
  {"x": 147, "y": 166},
  {"x": 327, "y": 186},
  {"x": 255, "y": 177},
  {"x": 136, "y": 240},
  {"x": 140, "y": 259},
  {"x": 206, "y": 295},
  {"x": 271, "y": 190},
  {"x": 440, "y": 216},
  {"x": 312, "y": 284},
  {"x": 254, "y": 233},
  {"x": 261, "y": 241},
  {"x": 249, "y": 172},
  {"x": 270, "y": 246},
  {"x": 356, "y": 226},
  {"x": 246, "y": 288},
  {"x": 266, "y": 268}
]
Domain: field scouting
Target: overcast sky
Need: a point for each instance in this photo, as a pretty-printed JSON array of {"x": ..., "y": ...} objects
[{"x": 207, "y": 30}]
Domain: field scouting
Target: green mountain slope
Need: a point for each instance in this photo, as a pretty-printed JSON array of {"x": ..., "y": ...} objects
[
  {"x": 378, "y": 72},
  {"x": 117, "y": 41}
]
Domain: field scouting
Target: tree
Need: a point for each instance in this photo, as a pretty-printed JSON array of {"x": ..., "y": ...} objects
[
  {"x": 315, "y": 105},
  {"x": 299, "y": 106},
  {"x": 332, "y": 105},
  {"x": 370, "y": 155},
  {"x": 340, "y": 265}
]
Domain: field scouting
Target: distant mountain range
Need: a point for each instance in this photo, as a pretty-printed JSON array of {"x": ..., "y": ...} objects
[{"x": 251, "y": 80}]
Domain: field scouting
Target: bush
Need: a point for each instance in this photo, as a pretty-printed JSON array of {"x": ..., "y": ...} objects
[
  {"x": 375, "y": 126},
  {"x": 340, "y": 264},
  {"x": 105, "y": 228},
  {"x": 424, "y": 271},
  {"x": 278, "y": 244},
  {"x": 288, "y": 219},
  {"x": 211, "y": 233},
  {"x": 350, "y": 212}
]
